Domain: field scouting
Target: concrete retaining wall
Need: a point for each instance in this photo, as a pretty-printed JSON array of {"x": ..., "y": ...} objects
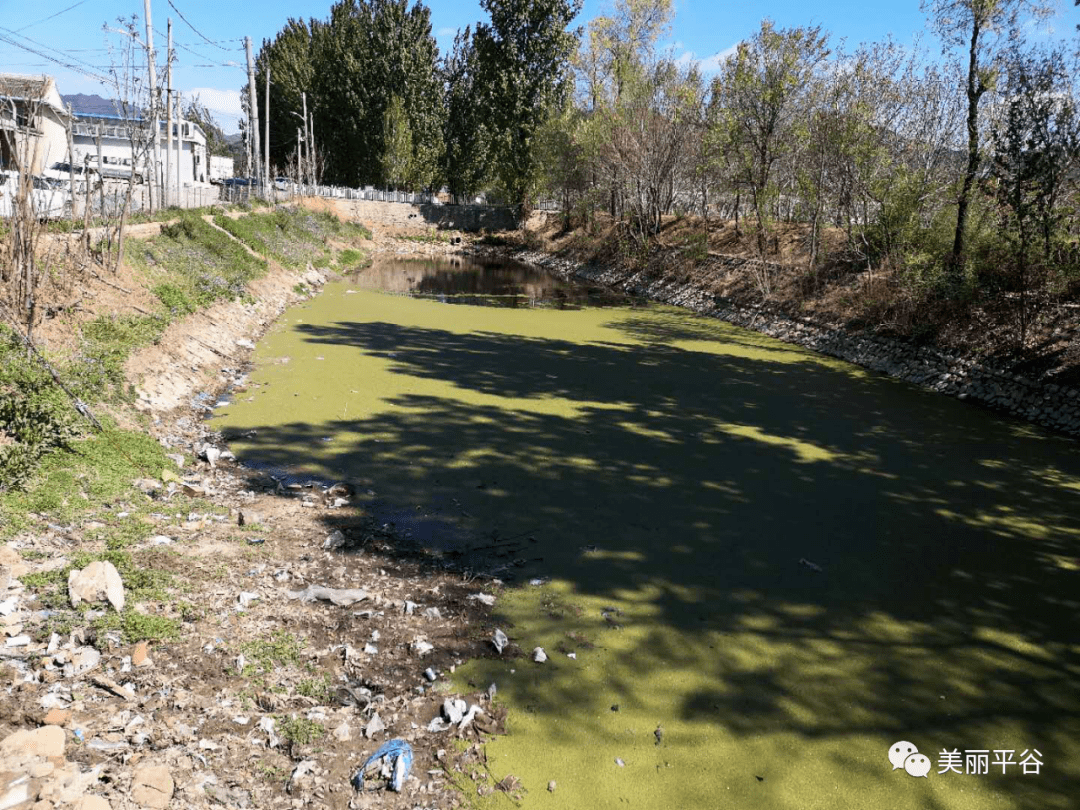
[
  {"x": 450, "y": 217},
  {"x": 1050, "y": 405}
]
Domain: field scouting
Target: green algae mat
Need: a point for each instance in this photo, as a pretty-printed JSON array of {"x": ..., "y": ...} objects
[{"x": 761, "y": 575}]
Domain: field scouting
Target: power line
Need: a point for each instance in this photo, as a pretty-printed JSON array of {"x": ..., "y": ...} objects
[
  {"x": 57, "y": 14},
  {"x": 68, "y": 65},
  {"x": 196, "y": 30}
]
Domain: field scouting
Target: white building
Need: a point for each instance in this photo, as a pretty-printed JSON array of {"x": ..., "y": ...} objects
[
  {"x": 122, "y": 143},
  {"x": 221, "y": 168},
  {"x": 33, "y": 123}
]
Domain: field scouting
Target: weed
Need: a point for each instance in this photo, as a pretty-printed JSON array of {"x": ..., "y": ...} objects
[
  {"x": 281, "y": 649},
  {"x": 32, "y": 555},
  {"x": 353, "y": 258},
  {"x": 136, "y": 627},
  {"x": 319, "y": 689},
  {"x": 299, "y": 731},
  {"x": 301, "y": 289}
]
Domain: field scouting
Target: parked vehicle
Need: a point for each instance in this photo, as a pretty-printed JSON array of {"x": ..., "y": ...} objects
[
  {"x": 284, "y": 184},
  {"x": 48, "y": 201},
  {"x": 238, "y": 181}
]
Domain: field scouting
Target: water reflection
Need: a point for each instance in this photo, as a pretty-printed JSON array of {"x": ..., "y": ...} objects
[{"x": 482, "y": 282}]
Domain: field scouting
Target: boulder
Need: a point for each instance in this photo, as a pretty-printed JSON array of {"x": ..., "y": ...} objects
[
  {"x": 152, "y": 786},
  {"x": 47, "y": 741},
  {"x": 98, "y": 582}
]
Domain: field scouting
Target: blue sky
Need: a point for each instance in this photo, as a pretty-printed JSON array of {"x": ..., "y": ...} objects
[{"x": 71, "y": 31}]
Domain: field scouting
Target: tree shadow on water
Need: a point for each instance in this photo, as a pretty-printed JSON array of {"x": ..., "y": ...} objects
[{"x": 714, "y": 483}]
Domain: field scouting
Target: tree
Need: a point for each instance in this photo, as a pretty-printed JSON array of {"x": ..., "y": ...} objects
[
  {"x": 466, "y": 134},
  {"x": 1035, "y": 145},
  {"x": 215, "y": 139},
  {"x": 397, "y": 159},
  {"x": 981, "y": 27},
  {"x": 762, "y": 88},
  {"x": 524, "y": 57},
  {"x": 349, "y": 67}
]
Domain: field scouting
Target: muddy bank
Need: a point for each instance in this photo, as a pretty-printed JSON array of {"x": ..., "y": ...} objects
[{"x": 956, "y": 374}]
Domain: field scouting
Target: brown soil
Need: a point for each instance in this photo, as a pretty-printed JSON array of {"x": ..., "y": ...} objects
[
  {"x": 200, "y": 712},
  {"x": 841, "y": 293}
]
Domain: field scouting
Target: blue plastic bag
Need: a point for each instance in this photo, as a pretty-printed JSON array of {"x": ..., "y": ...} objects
[{"x": 400, "y": 754}]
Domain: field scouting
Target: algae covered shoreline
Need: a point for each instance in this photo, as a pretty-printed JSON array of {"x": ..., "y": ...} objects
[{"x": 664, "y": 477}]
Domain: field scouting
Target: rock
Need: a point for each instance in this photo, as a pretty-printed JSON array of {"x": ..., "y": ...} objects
[
  {"x": 343, "y": 733},
  {"x": 374, "y": 726},
  {"x": 98, "y": 582},
  {"x": 152, "y": 786},
  {"x": 10, "y": 559},
  {"x": 18, "y": 641},
  {"x": 249, "y": 518},
  {"x": 500, "y": 641},
  {"x": 421, "y": 647},
  {"x": 57, "y": 717},
  {"x": 92, "y": 803},
  {"x": 335, "y": 540},
  {"x": 160, "y": 540},
  {"x": 83, "y": 660},
  {"x": 551, "y": 786},
  {"x": 47, "y": 742},
  {"x": 244, "y": 599},
  {"x": 539, "y": 656},
  {"x": 432, "y": 613},
  {"x": 140, "y": 656}
]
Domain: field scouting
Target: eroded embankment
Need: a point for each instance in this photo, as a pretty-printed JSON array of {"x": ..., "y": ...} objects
[{"x": 1044, "y": 403}]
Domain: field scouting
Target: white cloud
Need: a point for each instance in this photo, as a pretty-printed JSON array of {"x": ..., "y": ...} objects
[
  {"x": 445, "y": 32},
  {"x": 224, "y": 104},
  {"x": 710, "y": 64}
]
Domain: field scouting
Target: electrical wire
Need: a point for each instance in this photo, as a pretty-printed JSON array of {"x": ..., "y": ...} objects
[
  {"x": 196, "y": 30},
  {"x": 57, "y": 14}
]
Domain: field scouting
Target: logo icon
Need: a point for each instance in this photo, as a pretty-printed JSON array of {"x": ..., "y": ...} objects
[
  {"x": 899, "y": 752},
  {"x": 917, "y": 764}
]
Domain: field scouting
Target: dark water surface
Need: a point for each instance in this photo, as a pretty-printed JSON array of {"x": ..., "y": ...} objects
[{"x": 483, "y": 282}]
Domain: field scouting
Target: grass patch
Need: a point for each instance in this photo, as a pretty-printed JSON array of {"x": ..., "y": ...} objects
[
  {"x": 193, "y": 265},
  {"x": 430, "y": 237},
  {"x": 291, "y": 236},
  {"x": 264, "y": 655},
  {"x": 135, "y": 627},
  {"x": 81, "y": 477},
  {"x": 320, "y": 689},
  {"x": 299, "y": 731},
  {"x": 351, "y": 258}
]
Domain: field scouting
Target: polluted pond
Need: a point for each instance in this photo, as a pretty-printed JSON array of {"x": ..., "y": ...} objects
[{"x": 691, "y": 566}]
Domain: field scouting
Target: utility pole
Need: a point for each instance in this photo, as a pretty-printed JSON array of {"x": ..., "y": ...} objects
[
  {"x": 179, "y": 144},
  {"x": 314, "y": 156},
  {"x": 266, "y": 146},
  {"x": 253, "y": 109},
  {"x": 168, "y": 123},
  {"x": 101, "y": 174},
  {"x": 71, "y": 157},
  {"x": 153, "y": 156},
  {"x": 299, "y": 157},
  {"x": 307, "y": 143}
]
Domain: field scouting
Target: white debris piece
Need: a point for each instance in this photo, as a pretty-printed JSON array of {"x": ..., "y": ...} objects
[
  {"x": 342, "y": 597},
  {"x": 421, "y": 647},
  {"x": 466, "y": 721},
  {"x": 483, "y": 598},
  {"x": 539, "y": 656},
  {"x": 335, "y": 540},
  {"x": 500, "y": 641},
  {"x": 454, "y": 709}
]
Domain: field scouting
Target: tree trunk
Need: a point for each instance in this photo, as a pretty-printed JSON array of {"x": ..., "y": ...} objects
[{"x": 974, "y": 93}]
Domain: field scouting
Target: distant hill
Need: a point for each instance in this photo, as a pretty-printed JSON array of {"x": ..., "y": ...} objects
[{"x": 93, "y": 104}]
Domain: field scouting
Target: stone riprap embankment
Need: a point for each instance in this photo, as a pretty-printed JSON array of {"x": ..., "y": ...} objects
[{"x": 1047, "y": 404}]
